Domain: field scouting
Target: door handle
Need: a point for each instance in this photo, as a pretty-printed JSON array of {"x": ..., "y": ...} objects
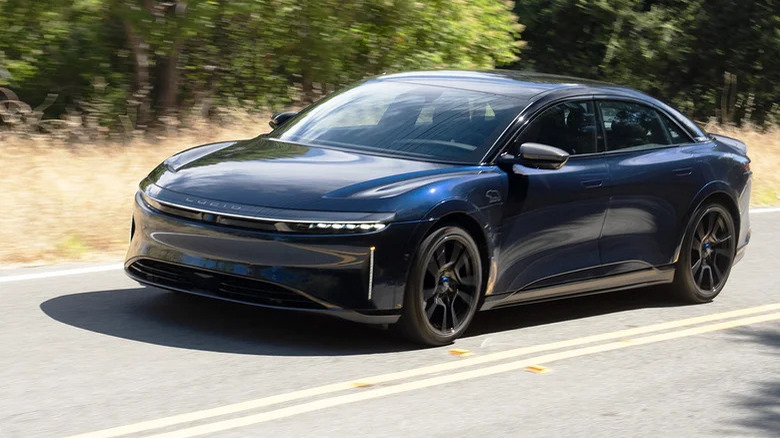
[
  {"x": 683, "y": 171},
  {"x": 592, "y": 183}
]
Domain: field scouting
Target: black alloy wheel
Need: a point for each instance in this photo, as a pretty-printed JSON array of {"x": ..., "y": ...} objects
[
  {"x": 709, "y": 251},
  {"x": 444, "y": 287}
]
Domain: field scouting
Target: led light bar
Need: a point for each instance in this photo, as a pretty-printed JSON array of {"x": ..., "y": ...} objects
[
  {"x": 324, "y": 226},
  {"x": 284, "y": 226}
]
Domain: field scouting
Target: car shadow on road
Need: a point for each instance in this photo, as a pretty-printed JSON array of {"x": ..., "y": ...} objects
[
  {"x": 151, "y": 315},
  {"x": 758, "y": 408},
  {"x": 570, "y": 309}
]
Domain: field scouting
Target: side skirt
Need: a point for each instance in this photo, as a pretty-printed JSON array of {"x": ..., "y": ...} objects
[{"x": 630, "y": 280}]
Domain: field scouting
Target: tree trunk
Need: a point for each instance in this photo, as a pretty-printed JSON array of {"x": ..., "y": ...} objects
[
  {"x": 307, "y": 83},
  {"x": 728, "y": 98},
  {"x": 169, "y": 80},
  {"x": 142, "y": 85},
  {"x": 305, "y": 47}
]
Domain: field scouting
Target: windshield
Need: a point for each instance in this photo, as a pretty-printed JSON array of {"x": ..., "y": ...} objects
[{"x": 404, "y": 119}]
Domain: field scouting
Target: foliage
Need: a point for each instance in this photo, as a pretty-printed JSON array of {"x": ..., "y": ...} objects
[
  {"x": 678, "y": 50},
  {"x": 121, "y": 65},
  {"x": 146, "y": 59}
]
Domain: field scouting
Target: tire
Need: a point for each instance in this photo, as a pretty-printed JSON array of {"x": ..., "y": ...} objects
[
  {"x": 444, "y": 288},
  {"x": 706, "y": 256}
]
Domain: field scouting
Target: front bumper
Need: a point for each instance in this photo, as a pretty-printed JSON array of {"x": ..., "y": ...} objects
[{"x": 359, "y": 277}]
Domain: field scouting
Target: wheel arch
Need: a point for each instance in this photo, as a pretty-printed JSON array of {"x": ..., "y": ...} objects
[
  {"x": 467, "y": 216},
  {"x": 474, "y": 229},
  {"x": 719, "y": 192}
]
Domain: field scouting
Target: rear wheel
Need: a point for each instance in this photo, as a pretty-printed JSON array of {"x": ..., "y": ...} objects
[
  {"x": 707, "y": 255},
  {"x": 443, "y": 289}
]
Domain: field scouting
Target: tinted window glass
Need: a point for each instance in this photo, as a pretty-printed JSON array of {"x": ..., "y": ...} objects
[
  {"x": 570, "y": 126},
  {"x": 677, "y": 135},
  {"x": 632, "y": 125},
  {"x": 406, "y": 119}
]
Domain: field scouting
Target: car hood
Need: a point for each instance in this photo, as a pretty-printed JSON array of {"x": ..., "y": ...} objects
[{"x": 272, "y": 173}]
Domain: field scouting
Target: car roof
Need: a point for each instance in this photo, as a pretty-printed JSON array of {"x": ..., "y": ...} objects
[{"x": 510, "y": 83}]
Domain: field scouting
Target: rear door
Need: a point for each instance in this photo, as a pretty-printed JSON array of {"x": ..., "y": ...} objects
[{"x": 654, "y": 179}]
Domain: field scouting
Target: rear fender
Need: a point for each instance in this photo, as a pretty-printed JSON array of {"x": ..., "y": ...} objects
[{"x": 712, "y": 188}]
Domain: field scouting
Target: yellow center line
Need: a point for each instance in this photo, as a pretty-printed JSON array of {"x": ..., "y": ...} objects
[
  {"x": 406, "y": 374},
  {"x": 302, "y": 408}
]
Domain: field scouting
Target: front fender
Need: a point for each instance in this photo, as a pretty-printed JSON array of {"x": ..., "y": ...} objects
[
  {"x": 475, "y": 200},
  {"x": 443, "y": 209},
  {"x": 481, "y": 199},
  {"x": 481, "y": 222}
]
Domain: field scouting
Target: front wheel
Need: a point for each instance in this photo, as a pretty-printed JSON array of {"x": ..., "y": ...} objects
[
  {"x": 707, "y": 255},
  {"x": 443, "y": 289}
]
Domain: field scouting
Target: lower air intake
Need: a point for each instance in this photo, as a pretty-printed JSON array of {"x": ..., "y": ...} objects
[{"x": 219, "y": 285}]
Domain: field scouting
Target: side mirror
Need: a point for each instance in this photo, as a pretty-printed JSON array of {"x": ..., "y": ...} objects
[
  {"x": 541, "y": 156},
  {"x": 279, "y": 119}
]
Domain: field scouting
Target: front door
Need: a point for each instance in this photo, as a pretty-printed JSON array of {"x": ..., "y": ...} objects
[{"x": 553, "y": 218}]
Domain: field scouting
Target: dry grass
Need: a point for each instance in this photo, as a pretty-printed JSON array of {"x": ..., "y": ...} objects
[
  {"x": 73, "y": 203},
  {"x": 66, "y": 203},
  {"x": 764, "y": 153}
]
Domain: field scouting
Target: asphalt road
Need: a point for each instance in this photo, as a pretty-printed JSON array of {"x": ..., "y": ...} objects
[{"x": 94, "y": 353}]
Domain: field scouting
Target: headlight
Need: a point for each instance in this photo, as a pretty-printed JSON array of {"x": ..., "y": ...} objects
[
  {"x": 329, "y": 227},
  {"x": 347, "y": 227}
]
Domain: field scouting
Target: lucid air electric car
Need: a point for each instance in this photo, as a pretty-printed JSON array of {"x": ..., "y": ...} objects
[{"x": 417, "y": 199}]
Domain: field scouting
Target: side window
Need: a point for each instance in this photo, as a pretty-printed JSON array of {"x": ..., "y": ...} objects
[
  {"x": 636, "y": 126},
  {"x": 675, "y": 133},
  {"x": 570, "y": 126}
]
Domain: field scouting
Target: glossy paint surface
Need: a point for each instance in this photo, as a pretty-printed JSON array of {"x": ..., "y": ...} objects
[
  {"x": 279, "y": 174},
  {"x": 651, "y": 192},
  {"x": 599, "y": 215},
  {"x": 552, "y": 221}
]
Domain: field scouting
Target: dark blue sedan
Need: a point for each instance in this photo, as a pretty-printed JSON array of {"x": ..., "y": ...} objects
[{"x": 417, "y": 199}]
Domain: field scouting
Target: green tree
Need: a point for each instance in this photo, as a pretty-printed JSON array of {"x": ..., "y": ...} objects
[
  {"x": 150, "y": 58},
  {"x": 66, "y": 48},
  {"x": 678, "y": 50}
]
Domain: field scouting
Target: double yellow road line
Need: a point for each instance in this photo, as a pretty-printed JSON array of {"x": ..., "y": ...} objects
[{"x": 609, "y": 341}]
